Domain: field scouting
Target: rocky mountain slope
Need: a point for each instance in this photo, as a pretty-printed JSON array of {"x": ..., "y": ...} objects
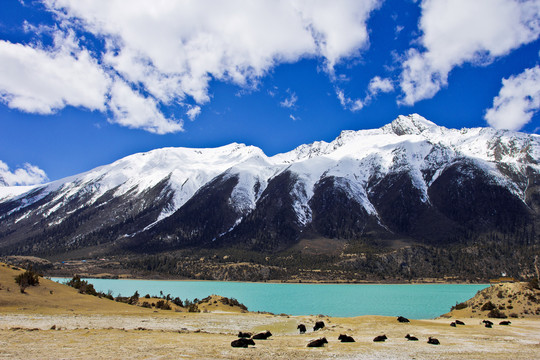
[{"x": 409, "y": 182}]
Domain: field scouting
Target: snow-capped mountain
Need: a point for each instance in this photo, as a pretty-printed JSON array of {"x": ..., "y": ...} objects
[{"x": 410, "y": 180}]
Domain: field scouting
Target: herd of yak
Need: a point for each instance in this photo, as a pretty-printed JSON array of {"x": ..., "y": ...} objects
[{"x": 246, "y": 338}]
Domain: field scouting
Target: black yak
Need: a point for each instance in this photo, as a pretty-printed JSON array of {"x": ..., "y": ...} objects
[
  {"x": 242, "y": 342},
  {"x": 380, "y": 338},
  {"x": 506, "y": 322},
  {"x": 411, "y": 338},
  {"x": 459, "y": 322},
  {"x": 345, "y": 338},
  {"x": 318, "y": 325},
  {"x": 244, "y": 334},
  {"x": 433, "y": 341},
  {"x": 402, "y": 319},
  {"x": 302, "y": 328},
  {"x": 262, "y": 336},
  {"x": 317, "y": 343},
  {"x": 453, "y": 324}
]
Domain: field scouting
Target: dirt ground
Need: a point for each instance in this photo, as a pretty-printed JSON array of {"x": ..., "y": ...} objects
[{"x": 208, "y": 336}]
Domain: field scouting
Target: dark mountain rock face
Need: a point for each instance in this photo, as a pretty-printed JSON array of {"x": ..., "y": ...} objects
[
  {"x": 410, "y": 182},
  {"x": 273, "y": 224},
  {"x": 202, "y": 219},
  {"x": 337, "y": 215},
  {"x": 467, "y": 196}
]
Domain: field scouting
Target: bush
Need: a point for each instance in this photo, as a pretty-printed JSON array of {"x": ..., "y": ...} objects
[
  {"x": 459, "y": 306},
  {"x": 488, "y": 306},
  {"x": 145, "y": 304},
  {"x": 497, "y": 314},
  {"x": 83, "y": 286},
  {"x": 161, "y": 304},
  {"x": 26, "y": 279},
  {"x": 233, "y": 302}
]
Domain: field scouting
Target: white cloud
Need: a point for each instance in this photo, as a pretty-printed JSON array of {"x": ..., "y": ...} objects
[
  {"x": 289, "y": 102},
  {"x": 135, "y": 111},
  {"x": 378, "y": 85},
  {"x": 463, "y": 31},
  {"x": 27, "y": 175},
  {"x": 38, "y": 80},
  {"x": 348, "y": 103},
  {"x": 518, "y": 100},
  {"x": 159, "y": 53},
  {"x": 293, "y": 118},
  {"x": 193, "y": 112},
  {"x": 174, "y": 49}
]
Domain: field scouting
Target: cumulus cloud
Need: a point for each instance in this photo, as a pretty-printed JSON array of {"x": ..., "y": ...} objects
[
  {"x": 518, "y": 100},
  {"x": 174, "y": 49},
  {"x": 463, "y": 31},
  {"x": 133, "y": 110},
  {"x": 41, "y": 80},
  {"x": 378, "y": 85},
  {"x": 27, "y": 175},
  {"x": 164, "y": 53},
  {"x": 193, "y": 112}
]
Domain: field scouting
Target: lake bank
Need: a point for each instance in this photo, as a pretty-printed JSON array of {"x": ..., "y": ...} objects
[
  {"x": 417, "y": 301},
  {"x": 53, "y": 321}
]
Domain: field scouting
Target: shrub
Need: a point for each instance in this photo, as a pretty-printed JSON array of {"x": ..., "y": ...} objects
[
  {"x": 178, "y": 302},
  {"x": 459, "y": 306},
  {"x": 145, "y": 304},
  {"x": 161, "y": 304},
  {"x": 500, "y": 295},
  {"x": 83, "y": 286},
  {"x": 134, "y": 299},
  {"x": 26, "y": 279},
  {"x": 497, "y": 314},
  {"x": 488, "y": 306},
  {"x": 233, "y": 302}
]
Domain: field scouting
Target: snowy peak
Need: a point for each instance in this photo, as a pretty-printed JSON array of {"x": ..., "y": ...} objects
[
  {"x": 409, "y": 179},
  {"x": 409, "y": 125}
]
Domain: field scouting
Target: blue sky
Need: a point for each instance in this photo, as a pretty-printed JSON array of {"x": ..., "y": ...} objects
[{"x": 86, "y": 82}]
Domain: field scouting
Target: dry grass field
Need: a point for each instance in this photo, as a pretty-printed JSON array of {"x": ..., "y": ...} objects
[{"x": 53, "y": 321}]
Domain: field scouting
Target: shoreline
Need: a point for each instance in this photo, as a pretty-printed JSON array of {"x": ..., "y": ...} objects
[{"x": 283, "y": 281}]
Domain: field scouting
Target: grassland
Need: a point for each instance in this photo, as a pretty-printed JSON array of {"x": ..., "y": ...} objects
[{"x": 53, "y": 321}]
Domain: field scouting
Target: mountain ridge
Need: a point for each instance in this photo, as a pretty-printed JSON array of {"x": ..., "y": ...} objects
[{"x": 409, "y": 180}]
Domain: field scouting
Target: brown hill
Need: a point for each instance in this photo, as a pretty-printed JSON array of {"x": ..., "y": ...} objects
[
  {"x": 50, "y": 297},
  {"x": 507, "y": 300}
]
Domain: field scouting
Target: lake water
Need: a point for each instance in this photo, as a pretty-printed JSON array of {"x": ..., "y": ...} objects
[{"x": 413, "y": 301}]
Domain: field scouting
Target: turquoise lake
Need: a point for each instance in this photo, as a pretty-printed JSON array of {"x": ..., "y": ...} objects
[{"x": 423, "y": 301}]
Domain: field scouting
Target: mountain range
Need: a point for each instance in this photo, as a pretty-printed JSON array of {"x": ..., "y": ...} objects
[{"x": 409, "y": 182}]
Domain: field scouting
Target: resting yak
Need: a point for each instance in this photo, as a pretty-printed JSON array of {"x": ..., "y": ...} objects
[
  {"x": 380, "y": 338},
  {"x": 318, "y": 325},
  {"x": 411, "y": 338},
  {"x": 262, "y": 336},
  {"x": 242, "y": 342},
  {"x": 345, "y": 338},
  {"x": 317, "y": 343}
]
